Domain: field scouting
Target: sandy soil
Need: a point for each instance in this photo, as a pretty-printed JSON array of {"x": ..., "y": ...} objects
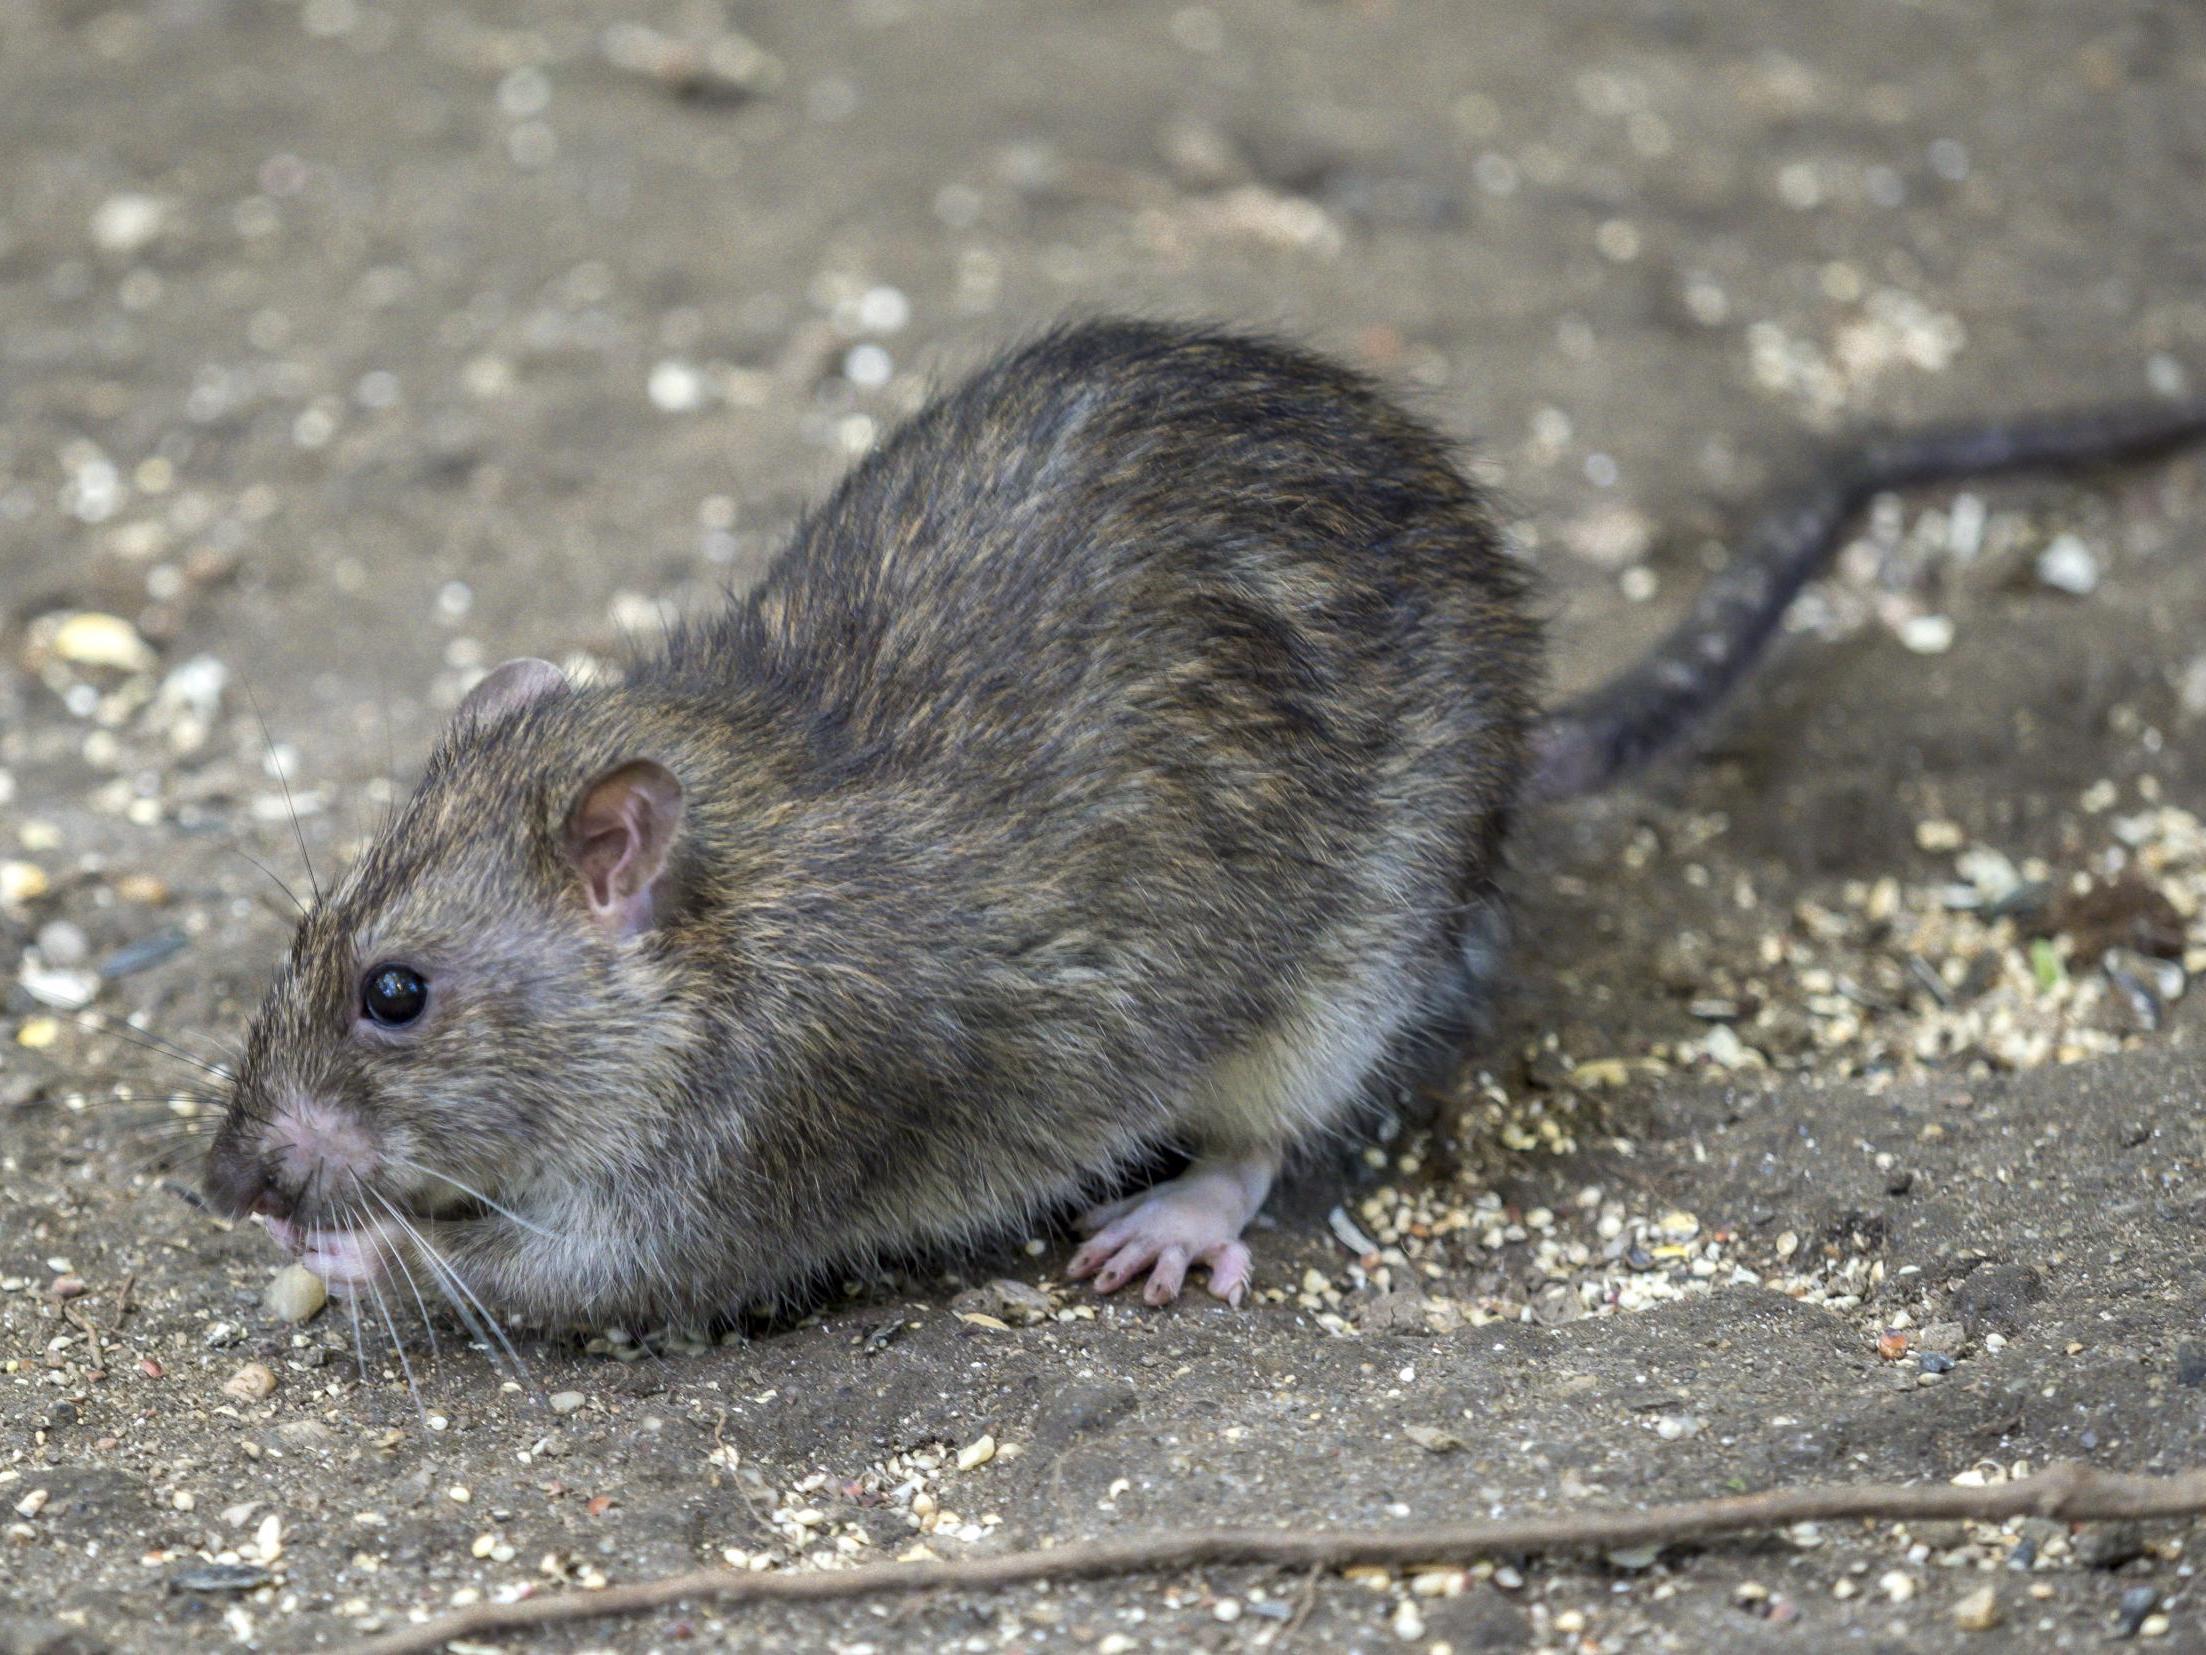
[{"x": 1837, "y": 1130}]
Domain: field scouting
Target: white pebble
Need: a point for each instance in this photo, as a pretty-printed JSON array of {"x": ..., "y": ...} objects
[
  {"x": 676, "y": 387},
  {"x": 90, "y": 639},
  {"x": 62, "y": 944},
  {"x": 126, "y": 223},
  {"x": 2068, "y": 565},
  {"x": 868, "y": 366},
  {"x": 883, "y": 310},
  {"x": 1965, "y": 526},
  {"x": 976, "y": 1453},
  {"x": 295, "y": 1294},
  {"x": 1927, "y": 634}
]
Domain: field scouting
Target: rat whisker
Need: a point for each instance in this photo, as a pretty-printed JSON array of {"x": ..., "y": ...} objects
[
  {"x": 359, "y": 1345},
  {"x": 134, "y": 1036},
  {"x": 161, "y": 1159},
  {"x": 451, "y": 1278},
  {"x": 428, "y": 1326},
  {"x": 272, "y": 874},
  {"x": 468, "y": 1189},
  {"x": 413, "y": 1389},
  {"x": 125, "y": 1094},
  {"x": 284, "y": 781}
]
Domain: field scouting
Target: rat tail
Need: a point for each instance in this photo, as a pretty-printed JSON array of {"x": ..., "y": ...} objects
[{"x": 1592, "y": 740}]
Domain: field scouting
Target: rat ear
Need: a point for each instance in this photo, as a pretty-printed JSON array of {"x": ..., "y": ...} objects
[
  {"x": 509, "y": 688},
  {"x": 618, "y": 839}
]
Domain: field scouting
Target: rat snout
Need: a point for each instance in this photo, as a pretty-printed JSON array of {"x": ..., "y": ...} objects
[
  {"x": 238, "y": 1185},
  {"x": 304, "y": 1160}
]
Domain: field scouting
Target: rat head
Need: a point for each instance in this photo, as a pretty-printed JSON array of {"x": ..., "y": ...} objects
[{"x": 444, "y": 1039}]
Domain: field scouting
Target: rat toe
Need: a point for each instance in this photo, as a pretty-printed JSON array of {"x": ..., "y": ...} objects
[
  {"x": 1166, "y": 1275},
  {"x": 1229, "y": 1265},
  {"x": 1127, "y": 1263}
]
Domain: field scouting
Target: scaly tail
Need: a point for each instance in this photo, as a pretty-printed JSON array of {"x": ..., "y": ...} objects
[{"x": 1591, "y": 741}]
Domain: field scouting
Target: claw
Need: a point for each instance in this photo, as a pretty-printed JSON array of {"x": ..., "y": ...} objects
[{"x": 1192, "y": 1220}]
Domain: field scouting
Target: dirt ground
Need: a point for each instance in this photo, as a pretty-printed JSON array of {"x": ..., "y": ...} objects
[{"x": 1844, "y": 1124}]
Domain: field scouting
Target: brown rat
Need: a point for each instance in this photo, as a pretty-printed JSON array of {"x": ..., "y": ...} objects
[{"x": 1120, "y": 759}]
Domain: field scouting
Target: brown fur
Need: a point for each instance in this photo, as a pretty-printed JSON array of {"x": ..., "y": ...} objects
[{"x": 1117, "y": 760}]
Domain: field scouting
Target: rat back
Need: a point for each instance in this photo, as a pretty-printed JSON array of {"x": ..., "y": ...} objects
[{"x": 1164, "y": 696}]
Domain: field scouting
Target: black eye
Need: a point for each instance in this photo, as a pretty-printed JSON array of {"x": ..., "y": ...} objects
[{"x": 394, "y": 995}]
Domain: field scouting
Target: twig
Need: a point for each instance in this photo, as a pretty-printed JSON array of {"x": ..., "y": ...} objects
[
  {"x": 2069, "y": 1492},
  {"x": 84, "y": 1325}
]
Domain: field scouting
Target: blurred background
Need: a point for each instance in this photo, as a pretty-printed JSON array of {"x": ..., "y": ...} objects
[{"x": 359, "y": 343}]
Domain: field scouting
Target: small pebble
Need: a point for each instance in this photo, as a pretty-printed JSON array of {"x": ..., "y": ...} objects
[
  {"x": 63, "y": 943},
  {"x": 147, "y": 951},
  {"x": 676, "y": 387},
  {"x": 1934, "y": 1362},
  {"x": 1927, "y": 634},
  {"x": 22, "y": 882},
  {"x": 2137, "y": 1603},
  {"x": 2109, "y": 1545},
  {"x": 295, "y": 1294},
  {"x": 129, "y": 222},
  {"x": 566, "y": 1402},
  {"x": 976, "y": 1453},
  {"x": 2190, "y": 1362},
  {"x": 2068, "y": 565},
  {"x": 218, "y": 1577},
  {"x": 1979, "y": 1611},
  {"x": 148, "y": 890},
  {"x": 250, "y": 1383},
  {"x": 90, "y": 639}
]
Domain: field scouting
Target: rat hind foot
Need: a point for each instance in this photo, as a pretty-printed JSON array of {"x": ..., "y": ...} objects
[{"x": 1196, "y": 1218}]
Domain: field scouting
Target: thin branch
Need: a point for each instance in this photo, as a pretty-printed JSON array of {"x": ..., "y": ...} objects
[{"x": 2069, "y": 1492}]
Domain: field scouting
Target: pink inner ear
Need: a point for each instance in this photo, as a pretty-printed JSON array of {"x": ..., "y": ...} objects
[{"x": 619, "y": 839}]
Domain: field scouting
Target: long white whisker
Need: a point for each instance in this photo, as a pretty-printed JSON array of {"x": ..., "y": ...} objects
[
  {"x": 436, "y": 1355},
  {"x": 469, "y": 1189},
  {"x": 391, "y": 1327},
  {"x": 420, "y": 1304},
  {"x": 359, "y": 1345},
  {"x": 452, "y": 1278}
]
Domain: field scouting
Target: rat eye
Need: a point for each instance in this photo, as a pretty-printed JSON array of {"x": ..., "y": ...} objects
[{"x": 394, "y": 995}]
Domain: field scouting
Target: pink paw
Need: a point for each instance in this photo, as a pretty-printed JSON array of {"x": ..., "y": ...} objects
[{"x": 1184, "y": 1222}]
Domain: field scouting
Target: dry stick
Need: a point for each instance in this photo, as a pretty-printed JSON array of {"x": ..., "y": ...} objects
[{"x": 2074, "y": 1493}]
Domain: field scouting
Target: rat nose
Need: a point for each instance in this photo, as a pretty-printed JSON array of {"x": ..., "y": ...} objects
[
  {"x": 270, "y": 1202},
  {"x": 240, "y": 1186}
]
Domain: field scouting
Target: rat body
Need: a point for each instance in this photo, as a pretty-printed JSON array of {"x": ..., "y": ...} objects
[{"x": 1119, "y": 760}]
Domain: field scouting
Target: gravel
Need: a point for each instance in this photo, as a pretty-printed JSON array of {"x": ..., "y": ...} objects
[{"x": 382, "y": 341}]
